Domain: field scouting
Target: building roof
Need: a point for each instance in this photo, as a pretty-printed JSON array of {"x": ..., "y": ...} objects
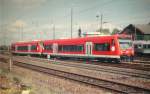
[
  {"x": 145, "y": 28},
  {"x": 139, "y": 29}
]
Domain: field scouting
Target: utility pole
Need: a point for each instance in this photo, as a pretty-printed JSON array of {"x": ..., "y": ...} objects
[
  {"x": 53, "y": 31},
  {"x": 71, "y": 21},
  {"x": 4, "y": 32},
  {"x": 22, "y": 31},
  {"x": 97, "y": 16},
  {"x": 134, "y": 32},
  {"x": 101, "y": 25},
  {"x": 10, "y": 59},
  {"x": 101, "y": 22}
]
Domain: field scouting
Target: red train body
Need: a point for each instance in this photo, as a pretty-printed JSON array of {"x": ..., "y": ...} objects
[{"x": 111, "y": 48}]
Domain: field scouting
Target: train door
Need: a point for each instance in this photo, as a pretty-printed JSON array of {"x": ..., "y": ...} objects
[
  {"x": 88, "y": 48},
  {"x": 41, "y": 46},
  {"x": 55, "y": 48},
  {"x": 29, "y": 47},
  {"x": 16, "y": 48}
]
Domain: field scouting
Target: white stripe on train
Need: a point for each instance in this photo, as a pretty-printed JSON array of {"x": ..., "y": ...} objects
[{"x": 72, "y": 55}]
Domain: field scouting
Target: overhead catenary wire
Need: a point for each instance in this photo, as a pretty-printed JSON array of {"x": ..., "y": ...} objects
[{"x": 100, "y": 6}]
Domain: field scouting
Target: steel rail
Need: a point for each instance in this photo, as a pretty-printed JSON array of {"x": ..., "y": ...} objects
[
  {"x": 114, "y": 86},
  {"x": 97, "y": 68}
]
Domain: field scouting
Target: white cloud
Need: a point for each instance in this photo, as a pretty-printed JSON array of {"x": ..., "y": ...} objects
[
  {"x": 19, "y": 24},
  {"x": 28, "y": 4},
  {"x": 15, "y": 26}
]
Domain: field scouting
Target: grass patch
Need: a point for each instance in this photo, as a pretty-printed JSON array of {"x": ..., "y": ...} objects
[
  {"x": 10, "y": 84},
  {"x": 4, "y": 72}
]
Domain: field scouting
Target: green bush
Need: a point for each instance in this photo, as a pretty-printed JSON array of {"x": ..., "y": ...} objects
[{"x": 17, "y": 80}]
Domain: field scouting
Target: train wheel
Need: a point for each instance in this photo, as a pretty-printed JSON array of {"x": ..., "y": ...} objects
[{"x": 117, "y": 61}]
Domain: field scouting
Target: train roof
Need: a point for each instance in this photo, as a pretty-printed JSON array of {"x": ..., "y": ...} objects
[
  {"x": 78, "y": 40},
  {"x": 27, "y": 42},
  {"x": 84, "y": 38},
  {"x": 73, "y": 39}
]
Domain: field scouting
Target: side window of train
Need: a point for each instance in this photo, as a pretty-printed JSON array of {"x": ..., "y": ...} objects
[
  {"x": 48, "y": 47},
  {"x": 148, "y": 46},
  {"x": 145, "y": 46},
  {"x": 22, "y": 48},
  {"x": 33, "y": 47},
  {"x": 60, "y": 48},
  {"x": 102, "y": 47},
  {"x": 70, "y": 48}
]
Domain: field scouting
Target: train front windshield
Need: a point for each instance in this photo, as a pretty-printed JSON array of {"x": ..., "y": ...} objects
[{"x": 125, "y": 44}]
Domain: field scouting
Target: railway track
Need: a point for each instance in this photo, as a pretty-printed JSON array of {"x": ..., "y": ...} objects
[
  {"x": 117, "y": 87},
  {"x": 127, "y": 72},
  {"x": 112, "y": 85},
  {"x": 142, "y": 62},
  {"x": 137, "y": 66},
  {"x": 115, "y": 68}
]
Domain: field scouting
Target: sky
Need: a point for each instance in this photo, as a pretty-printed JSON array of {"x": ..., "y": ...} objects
[{"x": 26, "y": 20}]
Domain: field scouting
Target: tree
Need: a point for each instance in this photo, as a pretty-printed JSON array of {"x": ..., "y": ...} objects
[
  {"x": 104, "y": 31},
  {"x": 115, "y": 31}
]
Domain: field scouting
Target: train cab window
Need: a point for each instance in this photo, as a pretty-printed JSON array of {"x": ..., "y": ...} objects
[
  {"x": 148, "y": 46},
  {"x": 22, "y": 48},
  {"x": 48, "y": 47},
  {"x": 102, "y": 47},
  {"x": 33, "y": 47}
]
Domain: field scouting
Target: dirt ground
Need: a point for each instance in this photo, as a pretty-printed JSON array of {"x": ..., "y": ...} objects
[
  {"x": 10, "y": 84},
  {"x": 46, "y": 84}
]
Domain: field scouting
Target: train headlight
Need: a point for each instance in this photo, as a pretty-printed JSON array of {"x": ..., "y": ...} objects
[
  {"x": 113, "y": 48},
  {"x": 127, "y": 52}
]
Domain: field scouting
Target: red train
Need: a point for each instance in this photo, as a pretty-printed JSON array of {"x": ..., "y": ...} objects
[{"x": 110, "y": 48}]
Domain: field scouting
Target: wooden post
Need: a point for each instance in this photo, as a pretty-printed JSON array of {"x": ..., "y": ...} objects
[
  {"x": 10, "y": 64},
  {"x": 10, "y": 60}
]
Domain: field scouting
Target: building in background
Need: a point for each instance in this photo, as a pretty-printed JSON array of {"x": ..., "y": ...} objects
[
  {"x": 141, "y": 36},
  {"x": 139, "y": 32}
]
